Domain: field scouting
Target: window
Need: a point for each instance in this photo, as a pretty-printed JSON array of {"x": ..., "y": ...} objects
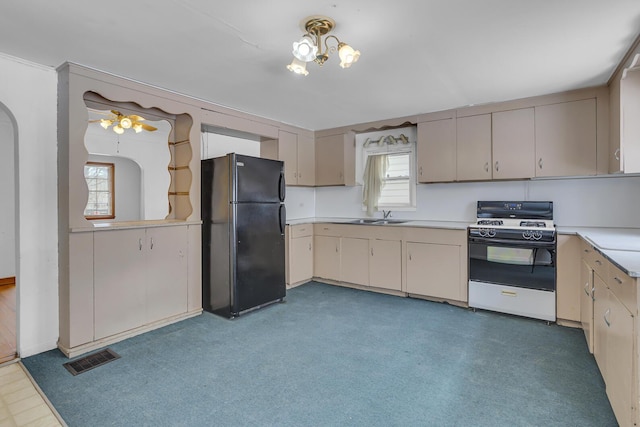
[
  {"x": 388, "y": 173},
  {"x": 100, "y": 181}
]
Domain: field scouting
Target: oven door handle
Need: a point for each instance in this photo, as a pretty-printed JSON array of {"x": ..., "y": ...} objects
[{"x": 514, "y": 243}]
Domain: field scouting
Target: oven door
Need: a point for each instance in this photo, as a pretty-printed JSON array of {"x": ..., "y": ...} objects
[{"x": 524, "y": 264}]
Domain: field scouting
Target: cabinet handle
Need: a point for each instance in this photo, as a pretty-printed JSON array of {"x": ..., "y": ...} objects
[
  {"x": 309, "y": 246},
  {"x": 371, "y": 251},
  {"x": 409, "y": 256},
  {"x": 420, "y": 170},
  {"x": 593, "y": 292},
  {"x": 486, "y": 167},
  {"x": 336, "y": 249},
  {"x": 497, "y": 167},
  {"x": 598, "y": 262},
  {"x": 616, "y": 154},
  {"x": 139, "y": 244},
  {"x": 586, "y": 251},
  {"x": 295, "y": 174},
  {"x": 606, "y": 314},
  {"x": 586, "y": 285},
  {"x": 340, "y": 175},
  {"x": 618, "y": 280},
  {"x": 540, "y": 163},
  {"x": 151, "y": 245}
]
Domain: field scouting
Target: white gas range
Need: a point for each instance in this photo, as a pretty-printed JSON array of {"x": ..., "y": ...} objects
[{"x": 512, "y": 259}]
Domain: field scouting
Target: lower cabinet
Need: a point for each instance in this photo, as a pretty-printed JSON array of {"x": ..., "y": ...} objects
[
  {"x": 299, "y": 254},
  {"x": 385, "y": 264},
  {"x": 140, "y": 277},
  {"x": 608, "y": 311},
  {"x": 434, "y": 270},
  {"x": 326, "y": 257},
  {"x": 354, "y": 261}
]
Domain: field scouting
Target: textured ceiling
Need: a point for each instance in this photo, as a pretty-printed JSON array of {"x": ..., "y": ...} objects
[{"x": 417, "y": 55}]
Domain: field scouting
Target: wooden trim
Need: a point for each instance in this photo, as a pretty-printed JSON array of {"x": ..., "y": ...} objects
[
  {"x": 186, "y": 141},
  {"x": 5, "y": 281},
  {"x": 178, "y": 193},
  {"x": 178, "y": 168},
  {"x": 112, "y": 190}
]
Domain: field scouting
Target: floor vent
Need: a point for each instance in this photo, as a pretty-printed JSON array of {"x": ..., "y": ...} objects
[{"x": 91, "y": 361}]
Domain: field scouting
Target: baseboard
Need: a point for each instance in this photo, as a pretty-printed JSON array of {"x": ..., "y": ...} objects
[
  {"x": 103, "y": 342},
  {"x": 6, "y": 281}
]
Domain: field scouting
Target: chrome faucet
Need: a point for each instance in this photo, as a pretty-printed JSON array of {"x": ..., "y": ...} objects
[{"x": 386, "y": 214}]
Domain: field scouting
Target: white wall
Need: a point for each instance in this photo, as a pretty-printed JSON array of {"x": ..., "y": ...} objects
[
  {"x": 300, "y": 203},
  {"x": 7, "y": 195},
  {"x": 216, "y": 145},
  {"x": 589, "y": 202},
  {"x": 29, "y": 92}
]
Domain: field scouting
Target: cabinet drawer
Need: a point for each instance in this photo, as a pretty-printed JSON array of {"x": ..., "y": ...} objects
[
  {"x": 588, "y": 252},
  {"x": 623, "y": 287},
  {"x": 600, "y": 264},
  {"x": 301, "y": 230},
  {"x": 326, "y": 229}
]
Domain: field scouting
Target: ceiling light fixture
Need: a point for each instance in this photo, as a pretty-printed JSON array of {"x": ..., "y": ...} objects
[
  {"x": 120, "y": 122},
  {"x": 310, "y": 46}
]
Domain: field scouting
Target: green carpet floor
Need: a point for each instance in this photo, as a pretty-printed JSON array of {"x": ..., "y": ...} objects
[{"x": 332, "y": 356}]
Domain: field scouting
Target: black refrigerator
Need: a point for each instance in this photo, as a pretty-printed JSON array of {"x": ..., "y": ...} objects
[{"x": 243, "y": 221}]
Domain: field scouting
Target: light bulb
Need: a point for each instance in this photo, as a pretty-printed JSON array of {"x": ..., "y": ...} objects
[
  {"x": 125, "y": 122},
  {"x": 137, "y": 127},
  {"x": 347, "y": 55},
  {"x": 105, "y": 123},
  {"x": 305, "y": 49},
  {"x": 298, "y": 67},
  {"x": 118, "y": 129}
]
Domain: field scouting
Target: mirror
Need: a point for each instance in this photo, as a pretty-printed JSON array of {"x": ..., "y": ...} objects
[{"x": 141, "y": 158}]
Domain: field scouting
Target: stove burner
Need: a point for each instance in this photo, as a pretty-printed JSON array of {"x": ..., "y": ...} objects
[
  {"x": 532, "y": 224},
  {"x": 490, "y": 222}
]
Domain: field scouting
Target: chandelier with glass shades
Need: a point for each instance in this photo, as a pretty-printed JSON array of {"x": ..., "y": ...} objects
[{"x": 311, "y": 47}]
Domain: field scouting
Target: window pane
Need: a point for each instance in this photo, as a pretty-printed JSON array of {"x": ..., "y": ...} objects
[{"x": 99, "y": 183}]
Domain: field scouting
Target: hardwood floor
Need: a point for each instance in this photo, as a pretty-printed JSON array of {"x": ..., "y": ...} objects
[{"x": 7, "y": 322}]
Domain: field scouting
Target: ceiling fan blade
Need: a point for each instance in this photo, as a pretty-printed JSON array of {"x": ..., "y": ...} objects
[
  {"x": 116, "y": 112},
  {"x": 136, "y": 118},
  {"x": 147, "y": 127}
]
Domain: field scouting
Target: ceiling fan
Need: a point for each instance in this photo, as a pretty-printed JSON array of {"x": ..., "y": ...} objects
[{"x": 120, "y": 122}]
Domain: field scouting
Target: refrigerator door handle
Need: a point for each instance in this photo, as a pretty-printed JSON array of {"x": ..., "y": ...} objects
[
  {"x": 283, "y": 219},
  {"x": 283, "y": 187}
]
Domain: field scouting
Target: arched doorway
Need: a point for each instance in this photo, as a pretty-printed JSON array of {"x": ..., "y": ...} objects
[{"x": 8, "y": 236}]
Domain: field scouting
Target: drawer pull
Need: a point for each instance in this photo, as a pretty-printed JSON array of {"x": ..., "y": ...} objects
[
  {"x": 598, "y": 262},
  {"x": 509, "y": 293},
  {"x": 586, "y": 250},
  {"x": 618, "y": 280}
]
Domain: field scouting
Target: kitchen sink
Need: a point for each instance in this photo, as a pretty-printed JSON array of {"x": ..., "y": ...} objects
[
  {"x": 364, "y": 221},
  {"x": 389, "y": 221}
]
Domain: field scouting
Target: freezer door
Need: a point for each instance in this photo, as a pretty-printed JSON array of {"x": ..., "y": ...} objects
[
  {"x": 258, "y": 180},
  {"x": 259, "y": 254}
]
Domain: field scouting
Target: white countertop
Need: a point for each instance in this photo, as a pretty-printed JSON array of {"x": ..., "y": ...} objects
[{"x": 453, "y": 225}]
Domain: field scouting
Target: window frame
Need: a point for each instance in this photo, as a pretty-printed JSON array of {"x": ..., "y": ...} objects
[
  {"x": 409, "y": 149},
  {"x": 112, "y": 190}
]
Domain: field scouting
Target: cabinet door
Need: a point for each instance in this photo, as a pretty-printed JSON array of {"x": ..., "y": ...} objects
[
  {"x": 330, "y": 160},
  {"x": 437, "y": 151},
  {"x": 385, "y": 265},
  {"x": 166, "y": 278},
  {"x": 119, "y": 281},
  {"x": 586, "y": 303},
  {"x": 473, "y": 148},
  {"x": 306, "y": 161},
  {"x": 434, "y": 270},
  {"x": 600, "y": 313},
  {"x": 568, "y": 279},
  {"x": 326, "y": 257},
  {"x": 288, "y": 153},
  {"x": 354, "y": 261},
  {"x": 566, "y": 138},
  {"x": 300, "y": 259},
  {"x": 513, "y": 144},
  {"x": 619, "y": 359}
]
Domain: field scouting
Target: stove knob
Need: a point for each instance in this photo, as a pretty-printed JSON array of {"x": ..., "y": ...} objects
[
  {"x": 491, "y": 233},
  {"x": 527, "y": 234},
  {"x": 537, "y": 235}
]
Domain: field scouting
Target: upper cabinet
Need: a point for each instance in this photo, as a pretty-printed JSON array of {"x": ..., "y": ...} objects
[
  {"x": 297, "y": 153},
  {"x": 627, "y": 154},
  {"x": 566, "y": 139},
  {"x": 335, "y": 160},
  {"x": 473, "y": 148},
  {"x": 436, "y": 150},
  {"x": 513, "y": 144}
]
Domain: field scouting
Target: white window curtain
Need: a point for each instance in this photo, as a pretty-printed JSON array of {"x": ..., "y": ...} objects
[{"x": 374, "y": 173}]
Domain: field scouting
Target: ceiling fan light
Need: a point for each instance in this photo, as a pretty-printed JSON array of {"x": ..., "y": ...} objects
[
  {"x": 105, "y": 123},
  {"x": 348, "y": 55},
  {"x": 137, "y": 127},
  {"x": 297, "y": 66},
  {"x": 125, "y": 122},
  {"x": 118, "y": 129},
  {"x": 305, "y": 49}
]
